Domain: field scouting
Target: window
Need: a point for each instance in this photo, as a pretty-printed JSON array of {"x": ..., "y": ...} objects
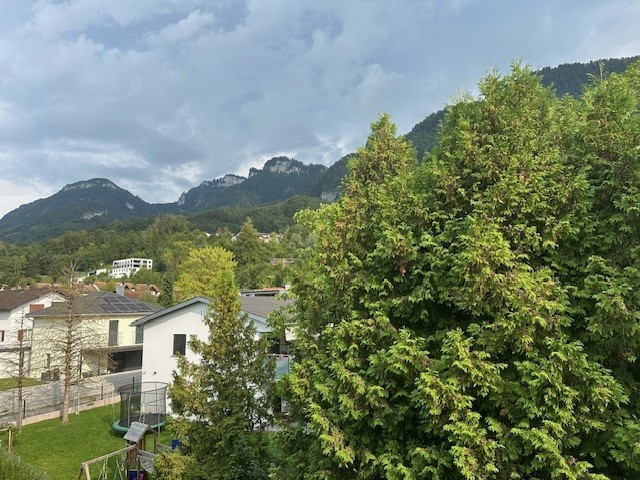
[
  {"x": 179, "y": 344},
  {"x": 139, "y": 334},
  {"x": 48, "y": 360},
  {"x": 1, "y": 335},
  {"x": 113, "y": 333}
]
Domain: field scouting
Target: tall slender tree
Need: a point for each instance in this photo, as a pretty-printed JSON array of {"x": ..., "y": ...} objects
[{"x": 221, "y": 394}]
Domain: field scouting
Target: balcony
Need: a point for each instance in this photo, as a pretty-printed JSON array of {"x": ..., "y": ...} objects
[{"x": 119, "y": 339}]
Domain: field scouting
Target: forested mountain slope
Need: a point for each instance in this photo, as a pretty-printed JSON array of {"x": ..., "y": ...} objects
[{"x": 90, "y": 203}]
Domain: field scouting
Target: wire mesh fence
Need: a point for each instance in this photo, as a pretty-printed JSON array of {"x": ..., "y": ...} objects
[{"x": 48, "y": 398}]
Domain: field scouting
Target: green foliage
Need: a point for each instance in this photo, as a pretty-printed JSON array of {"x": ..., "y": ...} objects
[
  {"x": 476, "y": 317},
  {"x": 172, "y": 466},
  {"x": 207, "y": 271},
  {"x": 251, "y": 255},
  {"x": 566, "y": 79},
  {"x": 222, "y": 399},
  {"x": 12, "y": 467},
  {"x": 268, "y": 218},
  {"x": 165, "y": 239},
  {"x": 571, "y": 78},
  {"x": 424, "y": 135}
]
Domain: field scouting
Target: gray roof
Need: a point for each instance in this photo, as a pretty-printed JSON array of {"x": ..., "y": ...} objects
[
  {"x": 256, "y": 306},
  {"x": 178, "y": 306},
  {"x": 10, "y": 299},
  {"x": 98, "y": 303},
  {"x": 262, "y": 306}
]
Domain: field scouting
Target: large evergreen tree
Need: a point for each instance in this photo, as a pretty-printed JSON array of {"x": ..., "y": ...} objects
[
  {"x": 222, "y": 398},
  {"x": 474, "y": 318}
]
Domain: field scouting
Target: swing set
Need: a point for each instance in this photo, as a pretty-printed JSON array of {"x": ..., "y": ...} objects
[{"x": 130, "y": 463}]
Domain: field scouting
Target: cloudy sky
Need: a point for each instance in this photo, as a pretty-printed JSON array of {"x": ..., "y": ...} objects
[{"x": 158, "y": 95}]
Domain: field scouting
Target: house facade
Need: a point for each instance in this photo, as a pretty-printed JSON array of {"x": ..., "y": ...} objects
[
  {"x": 101, "y": 326},
  {"x": 167, "y": 333},
  {"x": 16, "y": 326}
]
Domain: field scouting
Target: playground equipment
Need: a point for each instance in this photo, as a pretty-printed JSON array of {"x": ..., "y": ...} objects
[
  {"x": 133, "y": 462},
  {"x": 144, "y": 402}
]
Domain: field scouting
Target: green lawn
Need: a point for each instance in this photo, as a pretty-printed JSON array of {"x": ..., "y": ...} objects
[
  {"x": 59, "y": 450},
  {"x": 8, "y": 383}
]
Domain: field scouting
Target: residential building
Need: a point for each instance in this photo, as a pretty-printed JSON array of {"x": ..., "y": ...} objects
[
  {"x": 128, "y": 266},
  {"x": 96, "y": 272},
  {"x": 104, "y": 329},
  {"x": 167, "y": 332},
  {"x": 15, "y": 305},
  {"x": 263, "y": 292},
  {"x": 262, "y": 236},
  {"x": 138, "y": 290}
]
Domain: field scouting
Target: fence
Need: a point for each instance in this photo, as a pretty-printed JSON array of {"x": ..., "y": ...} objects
[
  {"x": 45, "y": 399},
  {"x": 12, "y": 467}
]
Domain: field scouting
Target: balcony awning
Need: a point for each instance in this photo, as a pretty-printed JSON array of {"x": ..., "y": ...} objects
[{"x": 116, "y": 348}]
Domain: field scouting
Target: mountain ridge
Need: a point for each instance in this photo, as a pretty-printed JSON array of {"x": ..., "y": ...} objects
[{"x": 280, "y": 177}]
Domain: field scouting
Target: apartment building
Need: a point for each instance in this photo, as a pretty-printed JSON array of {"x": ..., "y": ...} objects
[{"x": 128, "y": 266}]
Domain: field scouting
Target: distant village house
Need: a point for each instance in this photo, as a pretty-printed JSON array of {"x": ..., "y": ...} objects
[
  {"x": 16, "y": 325},
  {"x": 128, "y": 266}
]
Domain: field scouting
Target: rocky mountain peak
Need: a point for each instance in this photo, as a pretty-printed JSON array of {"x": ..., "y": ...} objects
[
  {"x": 283, "y": 165},
  {"x": 229, "y": 180},
  {"x": 93, "y": 183}
]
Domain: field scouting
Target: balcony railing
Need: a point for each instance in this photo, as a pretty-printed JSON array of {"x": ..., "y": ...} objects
[{"x": 118, "y": 339}]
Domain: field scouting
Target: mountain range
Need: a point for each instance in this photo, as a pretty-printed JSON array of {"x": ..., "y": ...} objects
[{"x": 89, "y": 203}]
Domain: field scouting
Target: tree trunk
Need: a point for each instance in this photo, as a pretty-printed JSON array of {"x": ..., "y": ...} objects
[
  {"x": 66, "y": 399},
  {"x": 68, "y": 359},
  {"x": 20, "y": 385}
]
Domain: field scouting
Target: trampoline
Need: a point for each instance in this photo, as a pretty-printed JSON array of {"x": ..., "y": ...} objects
[{"x": 144, "y": 402}]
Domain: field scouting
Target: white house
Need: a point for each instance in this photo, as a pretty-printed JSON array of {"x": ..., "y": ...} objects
[
  {"x": 15, "y": 305},
  {"x": 166, "y": 333},
  {"x": 126, "y": 267},
  {"x": 103, "y": 327}
]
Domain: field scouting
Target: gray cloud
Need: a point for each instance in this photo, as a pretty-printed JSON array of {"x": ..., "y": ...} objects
[{"x": 158, "y": 95}]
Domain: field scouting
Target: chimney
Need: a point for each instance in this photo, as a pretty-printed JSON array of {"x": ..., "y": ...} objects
[
  {"x": 34, "y": 307},
  {"x": 120, "y": 289}
]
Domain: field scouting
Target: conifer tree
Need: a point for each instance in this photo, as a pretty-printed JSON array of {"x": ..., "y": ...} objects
[
  {"x": 453, "y": 320},
  {"x": 222, "y": 398}
]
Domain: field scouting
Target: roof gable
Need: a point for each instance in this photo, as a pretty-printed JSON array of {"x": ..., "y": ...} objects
[
  {"x": 257, "y": 308},
  {"x": 11, "y": 299},
  {"x": 175, "y": 308}
]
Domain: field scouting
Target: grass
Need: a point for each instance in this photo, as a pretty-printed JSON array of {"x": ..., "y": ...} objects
[
  {"x": 9, "y": 383},
  {"x": 59, "y": 450},
  {"x": 12, "y": 468}
]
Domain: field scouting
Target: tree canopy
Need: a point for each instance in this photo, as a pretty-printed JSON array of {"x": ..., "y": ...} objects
[
  {"x": 221, "y": 396},
  {"x": 477, "y": 316},
  {"x": 207, "y": 271}
]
